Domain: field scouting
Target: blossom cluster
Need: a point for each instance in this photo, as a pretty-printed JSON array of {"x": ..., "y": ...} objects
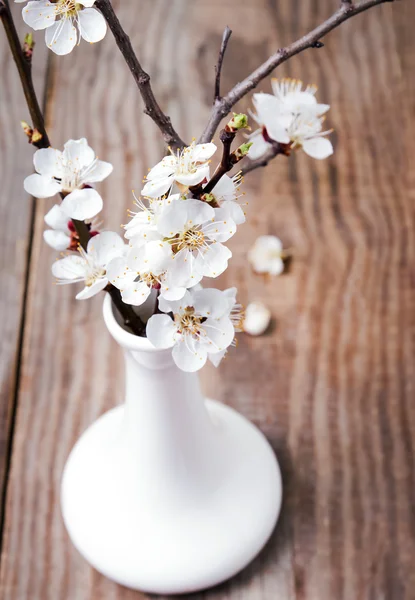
[{"x": 177, "y": 235}]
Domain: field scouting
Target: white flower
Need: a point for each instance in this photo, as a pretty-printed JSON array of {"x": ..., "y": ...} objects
[
  {"x": 65, "y": 22},
  {"x": 291, "y": 96},
  {"x": 59, "y": 236},
  {"x": 257, "y": 318},
  {"x": 143, "y": 226},
  {"x": 225, "y": 195},
  {"x": 186, "y": 168},
  {"x": 266, "y": 254},
  {"x": 90, "y": 266},
  {"x": 69, "y": 172},
  {"x": 236, "y": 314},
  {"x": 142, "y": 270},
  {"x": 194, "y": 230},
  {"x": 306, "y": 131},
  {"x": 200, "y": 329},
  {"x": 291, "y": 117}
]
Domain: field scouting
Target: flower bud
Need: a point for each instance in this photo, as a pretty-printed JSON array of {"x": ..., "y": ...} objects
[
  {"x": 238, "y": 121},
  {"x": 242, "y": 151}
]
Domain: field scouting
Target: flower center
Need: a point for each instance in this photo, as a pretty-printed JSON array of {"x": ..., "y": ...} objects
[
  {"x": 94, "y": 273},
  {"x": 191, "y": 239},
  {"x": 185, "y": 162},
  {"x": 189, "y": 322},
  {"x": 67, "y": 8},
  {"x": 151, "y": 280}
]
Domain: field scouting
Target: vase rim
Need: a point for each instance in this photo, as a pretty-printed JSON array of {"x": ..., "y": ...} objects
[{"x": 123, "y": 337}]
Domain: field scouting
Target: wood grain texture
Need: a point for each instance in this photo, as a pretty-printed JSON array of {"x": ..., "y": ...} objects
[
  {"x": 16, "y": 212},
  {"x": 332, "y": 386}
]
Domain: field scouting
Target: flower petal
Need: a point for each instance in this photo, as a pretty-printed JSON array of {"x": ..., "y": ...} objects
[
  {"x": 61, "y": 37},
  {"x": 39, "y": 14},
  {"x": 92, "y": 290},
  {"x": 119, "y": 274},
  {"x": 92, "y": 25},
  {"x": 202, "y": 152},
  {"x": 210, "y": 302},
  {"x": 98, "y": 172},
  {"x": 157, "y": 187},
  {"x": 216, "y": 260},
  {"x": 257, "y": 318},
  {"x": 56, "y": 218},
  {"x": 235, "y": 212},
  {"x": 58, "y": 240},
  {"x": 187, "y": 357},
  {"x": 259, "y": 145},
  {"x": 318, "y": 147},
  {"x": 41, "y": 186},
  {"x": 105, "y": 246},
  {"x": 161, "y": 331},
  {"x": 78, "y": 154},
  {"x": 153, "y": 257},
  {"x": 82, "y": 204},
  {"x": 198, "y": 176},
  {"x": 48, "y": 161},
  {"x": 220, "y": 333},
  {"x": 71, "y": 267},
  {"x": 136, "y": 293},
  {"x": 225, "y": 189},
  {"x": 222, "y": 228}
]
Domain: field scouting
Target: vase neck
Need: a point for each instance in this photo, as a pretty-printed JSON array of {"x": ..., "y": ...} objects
[{"x": 166, "y": 427}]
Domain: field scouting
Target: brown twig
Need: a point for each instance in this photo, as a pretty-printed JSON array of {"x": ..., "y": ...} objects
[
  {"x": 223, "y": 106},
  {"x": 24, "y": 69},
  {"x": 218, "y": 69},
  {"x": 227, "y": 162},
  {"x": 131, "y": 319},
  {"x": 262, "y": 161},
  {"x": 142, "y": 79}
]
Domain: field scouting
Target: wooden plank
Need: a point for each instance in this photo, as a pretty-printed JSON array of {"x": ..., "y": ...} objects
[
  {"x": 15, "y": 230},
  {"x": 332, "y": 385}
]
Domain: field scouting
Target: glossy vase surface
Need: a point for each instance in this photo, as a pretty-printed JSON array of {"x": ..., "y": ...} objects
[{"x": 168, "y": 493}]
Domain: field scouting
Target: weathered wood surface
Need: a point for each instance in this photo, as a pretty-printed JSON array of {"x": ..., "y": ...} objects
[
  {"x": 15, "y": 234},
  {"x": 332, "y": 386}
]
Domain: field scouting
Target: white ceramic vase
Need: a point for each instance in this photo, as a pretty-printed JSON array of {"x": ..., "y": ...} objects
[{"x": 168, "y": 493}]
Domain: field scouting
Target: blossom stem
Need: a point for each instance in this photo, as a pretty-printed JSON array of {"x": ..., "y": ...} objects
[
  {"x": 223, "y": 106},
  {"x": 142, "y": 79},
  {"x": 25, "y": 74},
  {"x": 227, "y": 162},
  {"x": 130, "y": 318},
  {"x": 218, "y": 69},
  {"x": 263, "y": 160}
]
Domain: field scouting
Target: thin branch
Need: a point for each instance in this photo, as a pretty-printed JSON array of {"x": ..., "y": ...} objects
[
  {"x": 218, "y": 69},
  {"x": 25, "y": 74},
  {"x": 223, "y": 106},
  {"x": 131, "y": 319},
  {"x": 226, "y": 163},
  {"x": 142, "y": 79},
  {"x": 263, "y": 160}
]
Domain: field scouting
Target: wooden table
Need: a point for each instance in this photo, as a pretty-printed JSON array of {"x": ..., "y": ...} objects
[{"x": 332, "y": 386}]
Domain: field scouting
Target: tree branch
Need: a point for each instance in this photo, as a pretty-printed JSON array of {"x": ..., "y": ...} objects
[
  {"x": 142, "y": 79},
  {"x": 218, "y": 69},
  {"x": 25, "y": 74},
  {"x": 223, "y": 106},
  {"x": 263, "y": 160},
  {"x": 131, "y": 319}
]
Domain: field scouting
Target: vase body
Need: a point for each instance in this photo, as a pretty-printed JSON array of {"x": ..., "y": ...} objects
[{"x": 168, "y": 493}]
